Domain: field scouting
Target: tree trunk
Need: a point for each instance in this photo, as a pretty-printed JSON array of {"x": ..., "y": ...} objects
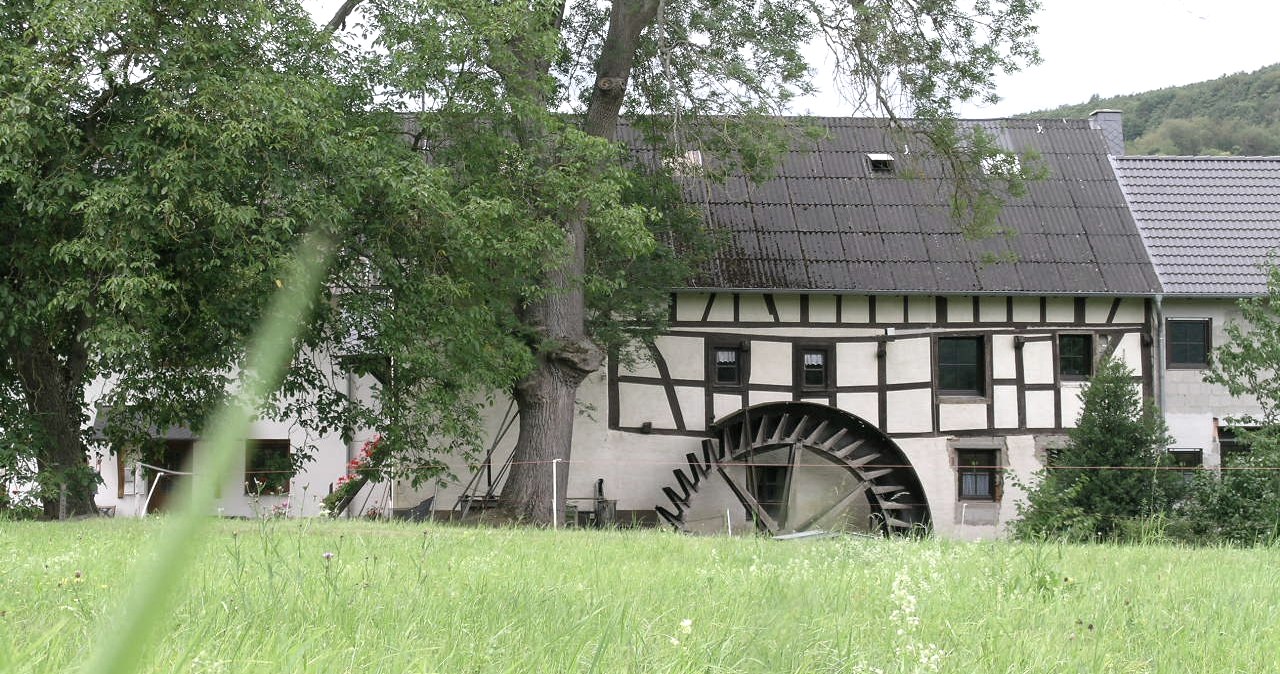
[
  {"x": 54, "y": 390},
  {"x": 567, "y": 355}
]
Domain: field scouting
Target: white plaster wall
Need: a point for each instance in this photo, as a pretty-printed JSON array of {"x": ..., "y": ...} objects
[
  {"x": 1072, "y": 404},
  {"x": 1129, "y": 352},
  {"x": 908, "y": 361},
  {"x": 992, "y": 310},
  {"x": 854, "y": 309},
  {"x": 770, "y": 362},
  {"x": 723, "y": 404},
  {"x": 856, "y": 364},
  {"x": 1005, "y": 400},
  {"x": 1004, "y": 364},
  {"x": 689, "y": 306},
  {"x": 640, "y": 403},
  {"x": 1037, "y": 362},
  {"x": 1022, "y": 461},
  {"x": 921, "y": 309},
  {"x": 1026, "y": 309},
  {"x": 889, "y": 309},
  {"x": 721, "y": 308},
  {"x": 960, "y": 309},
  {"x": 788, "y": 307},
  {"x": 693, "y": 405},
  {"x": 1040, "y": 409},
  {"x": 686, "y": 357},
  {"x": 1060, "y": 310},
  {"x": 752, "y": 309},
  {"x": 956, "y": 417},
  {"x": 864, "y": 405},
  {"x": 758, "y": 397},
  {"x": 822, "y": 308},
  {"x": 909, "y": 411},
  {"x": 1132, "y": 310}
]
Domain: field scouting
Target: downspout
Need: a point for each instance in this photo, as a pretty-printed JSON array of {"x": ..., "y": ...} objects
[{"x": 1159, "y": 352}]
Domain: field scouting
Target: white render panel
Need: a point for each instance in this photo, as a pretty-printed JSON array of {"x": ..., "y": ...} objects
[
  {"x": 960, "y": 309},
  {"x": 822, "y": 308},
  {"x": 1005, "y": 400},
  {"x": 921, "y": 309},
  {"x": 908, "y": 361},
  {"x": 1129, "y": 352},
  {"x": 1195, "y": 431},
  {"x": 1096, "y": 309},
  {"x": 788, "y": 307},
  {"x": 1021, "y": 464},
  {"x": 1037, "y": 363},
  {"x": 693, "y": 405},
  {"x": 993, "y": 310},
  {"x": 1026, "y": 309},
  {"x": 1185, "y": 391},
  {"x": 909, "y": 411},
  {"x": 725, "y": 403},
  {"x": 757, "y": 397},
  {"x": 854, "y": 309},
  {"x": 1060, "y": 310},
  {"x": 960, "y": 417},
  {"x": 689, "y": 306},
  {"x": 856, "y": 364},
  {"x": 686, "y": 356},
  {"x": 752, "y": 309},
  {"x": 1004, "y": 364},
  {"x": 889, "y": 309},
  {"x": 780, "y": 330},
  {"x": 1040, "y": 409},
  {"x": 1071, "y": 403},
  {"x": 1132, "y": 310},
  {"x": 929, "y": 458},
  {"x": 638, "y": 403},
  {"x": 864, "y": 405},
  {"x": 643, "y": 367},
  {"x": 722, "y": 308},
  {"x": 770, "y": 362}
]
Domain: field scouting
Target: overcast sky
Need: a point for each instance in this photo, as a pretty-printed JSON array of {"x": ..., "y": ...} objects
[{"x": 1112, "y": 47}]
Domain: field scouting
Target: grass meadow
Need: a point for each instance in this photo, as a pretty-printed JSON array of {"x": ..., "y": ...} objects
[{"x": 349, "y": 596}]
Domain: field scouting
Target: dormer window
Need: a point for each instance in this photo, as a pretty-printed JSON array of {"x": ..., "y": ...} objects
[{"x": 881, "y": 163}]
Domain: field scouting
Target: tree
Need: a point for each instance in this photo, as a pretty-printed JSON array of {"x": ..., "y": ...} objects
[
  {"x": 524, "y": 99},
  {"x": 159, "y": 162},
  {"x": 1108, "y": 472}
]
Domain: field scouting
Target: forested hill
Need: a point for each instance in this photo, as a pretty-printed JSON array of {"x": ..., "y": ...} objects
[{"x": 1236, "y": 114}]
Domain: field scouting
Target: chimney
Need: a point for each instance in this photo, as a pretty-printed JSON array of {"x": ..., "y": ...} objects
[{"x": 1111, "y": 125}]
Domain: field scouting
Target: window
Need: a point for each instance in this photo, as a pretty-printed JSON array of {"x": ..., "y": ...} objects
[
  {"x": 728, "y": 365},
  {"x": 979, "y": 474},
  {"x": 1188, "y": 459},
  {"x": 1231, "y": 446},
  {"x": 268, "y": 467},
  {"x": 961, "y": 366},
  {"x": 1075, "y": 356},
  {"x": 813, "y": 368},
  {"x": 880, "y": 163},
  {"x": 1188, "y": 343}
]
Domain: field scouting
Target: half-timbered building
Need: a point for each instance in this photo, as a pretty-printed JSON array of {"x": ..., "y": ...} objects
[{"x": 850, "y": 360}]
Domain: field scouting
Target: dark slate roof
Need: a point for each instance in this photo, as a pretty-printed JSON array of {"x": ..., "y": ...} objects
[
  {"x": 826, "y": 223},
  {"x": 1208, "y": 222}
]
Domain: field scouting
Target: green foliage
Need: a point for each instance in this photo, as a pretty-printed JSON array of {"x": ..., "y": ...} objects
[
  {"x": 1233, "y": 115},
  {"x": 1103, "y": 475}
]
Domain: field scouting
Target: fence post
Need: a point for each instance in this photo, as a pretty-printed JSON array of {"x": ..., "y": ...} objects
[{"x": 555, "y": 494}]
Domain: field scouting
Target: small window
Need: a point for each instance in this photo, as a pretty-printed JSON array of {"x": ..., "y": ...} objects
[
  {"x": 1231, "y": 446},
  {"x": 268, "y": 467},
  {"x": 1075, "y": 356},
  {"x": 1189, "y": 460},
  {"x": 727, "y": 364},
  {"x": 813, "y": 368},
  {"x": 880, "y": 163},
  {"x": 961, "y": 366},
  {"x": 978, "y": 471},
  {"x": 1188, "y": 343}
]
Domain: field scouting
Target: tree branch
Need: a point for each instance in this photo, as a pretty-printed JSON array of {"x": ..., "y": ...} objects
[{"x": 339, "y": 20}]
